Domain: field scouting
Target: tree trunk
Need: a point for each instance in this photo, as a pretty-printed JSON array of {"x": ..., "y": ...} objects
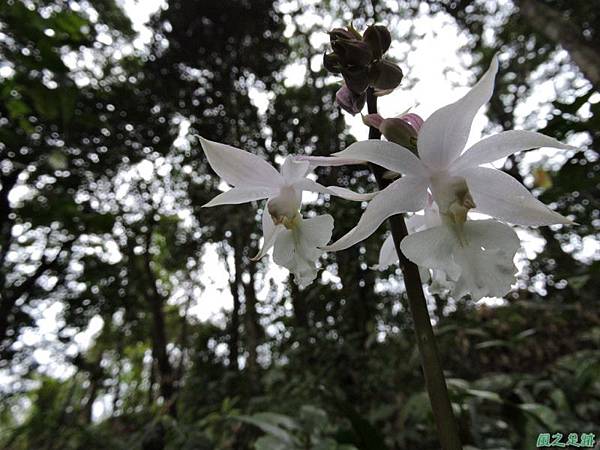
[
  {"x": 551, "y": 24},
  {"x": 234, "y": 327},
  {"x": 251, "y": 325},
  {"x": 299, "y": 305},
  {"x": 159, "y": 335},
  {"x": 8, "y": 182}
]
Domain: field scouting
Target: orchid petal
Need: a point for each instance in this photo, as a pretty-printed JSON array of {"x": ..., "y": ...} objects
[
  {"x": 386, "y": 154},
  {"x": 270, "y": 233},
  {"x": 415, "y": 222},
  {"x": 328, "y": 161},
  {"x": 387, "y": 254},
  {"x": 501, "y": 196},
  {"x": 433, "y": 248},
  {"x": 439, "y": 282},
  {"x": 503, "y": 144},
  {"x": 238, "y": 195},
  {"x": 307, "y": 184},
  {"x": 298, "y": 249},
  {"x": 444, "y": 134},
  {"x": 238, "y": 167},
  {"x": 487, "y": 261},
  {"x": 481, "y": 264},
  {"x": 348, "y": 194},
  {"x": 406, "y": 194},
  {"x": 294, "y": 169}
]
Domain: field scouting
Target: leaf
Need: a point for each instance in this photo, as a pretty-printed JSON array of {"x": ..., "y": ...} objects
[
  {"x": 266, "y": 424},
  {"x": 492, "y": 344},
  {"x": 270, "y": 443},
  {"x": 542, "y": 413},
  {"x": 485, "y": 395}
]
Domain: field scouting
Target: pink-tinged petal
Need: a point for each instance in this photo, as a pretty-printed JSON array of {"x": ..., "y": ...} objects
[
  {"x": 238, "y": 167},
  {"x": 501, "y": 196},
  {"x": 386, "y": 154},
  {"x": 238, "y": 195},
  {"x": 349, "y": 101},
  {"x": 444, "y": 134},
  {"x": 404, "y": 195},
  {"x": 372, "y": 120},
  {"x": 414, "y": 120},
  {"x": 504, "y": 144}
]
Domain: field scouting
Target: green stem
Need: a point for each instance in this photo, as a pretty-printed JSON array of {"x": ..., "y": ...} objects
[{"x": 434, "y": 376}]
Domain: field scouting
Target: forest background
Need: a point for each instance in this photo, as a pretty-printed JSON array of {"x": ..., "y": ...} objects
[{"x": 132, "y": 318}]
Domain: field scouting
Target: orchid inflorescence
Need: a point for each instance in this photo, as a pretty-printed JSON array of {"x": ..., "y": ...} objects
[{"x": 436, "y": 181}]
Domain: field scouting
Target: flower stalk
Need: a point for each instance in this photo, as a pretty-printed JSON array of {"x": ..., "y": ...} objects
[{"x": 434, "y": 377}]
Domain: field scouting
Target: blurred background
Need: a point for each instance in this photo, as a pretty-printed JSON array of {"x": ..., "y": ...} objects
[{"x": 130, "y": 318}]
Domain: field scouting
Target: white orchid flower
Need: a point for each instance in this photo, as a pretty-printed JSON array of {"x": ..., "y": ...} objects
[
  {"x": 477, "y": 259},
  {"x": 456, "y": 180},
  {"x": 295, "y": 239}
]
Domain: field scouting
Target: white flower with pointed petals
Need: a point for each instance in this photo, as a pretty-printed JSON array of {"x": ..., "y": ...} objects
[
  {"x": 295, "y": 239},
  {"x": 456, "y": 180}
]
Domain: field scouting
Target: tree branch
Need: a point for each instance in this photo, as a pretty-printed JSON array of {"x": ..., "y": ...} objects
[{"x": 559, "y": 29}]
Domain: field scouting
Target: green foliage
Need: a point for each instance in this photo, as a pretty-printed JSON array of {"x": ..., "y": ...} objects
[{"x": 309, "y": 430}]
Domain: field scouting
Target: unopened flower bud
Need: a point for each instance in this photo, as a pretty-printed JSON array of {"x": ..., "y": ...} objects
[
  {"x": 401, "y": 130},
  {"x": 356, "y": 78},
  {"x": 352, "y": 52},
  {"x": 373, "y": 120},
  {"x": 398, "y": 131},
  {"x": 379, "y": 39},
  {"x": 349, "y": 101},
  {"x": 332, "y": 63},
  {"x": 385, "y": 75},
  {"x": 414, "y": 120},
  {"x": 344, "y": 33}
]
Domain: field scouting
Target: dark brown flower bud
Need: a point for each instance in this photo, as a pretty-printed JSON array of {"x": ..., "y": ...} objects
[
  {"x": 356, "y": 78},
  {"x": 385, "y": 75},
  {"x": 343, "y": 33},
  {"x": 352, "y": 52},
  {"x": 349, "y": 101},
  {"x": 332, "y": 63},
  {"x": 378, "y": 38}
]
